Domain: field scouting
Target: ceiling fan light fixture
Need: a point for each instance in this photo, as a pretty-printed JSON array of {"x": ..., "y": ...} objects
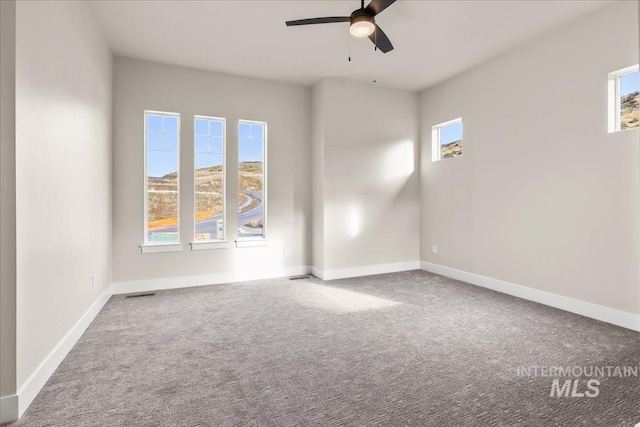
[
  {"x": 362, "y": 23},
  {"x": 362, "y": 26}
]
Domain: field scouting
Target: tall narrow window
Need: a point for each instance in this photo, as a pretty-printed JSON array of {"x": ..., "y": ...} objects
[
  {"x": 162, "y": 146},
  {"x": 446, "y": 140},
  {"x": 209, "y": 178},
  {"x": 252, "y": 144},
  {"x": 624, "y": 99}
]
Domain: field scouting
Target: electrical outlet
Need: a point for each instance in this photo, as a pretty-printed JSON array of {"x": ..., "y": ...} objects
[
  {"x": 434, "y": 249},
  {"x": 93, "y": 280},
  {"x": 286, "y": 252}
]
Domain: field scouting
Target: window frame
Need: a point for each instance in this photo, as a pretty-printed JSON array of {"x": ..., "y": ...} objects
[
  {"x": 614, "y": 113},
  {"x": 211, "y": 243},
  {"x": 148, "y": 246},
  {"x": 436, "y": 137},
  {"x": 253, "y": 241}
]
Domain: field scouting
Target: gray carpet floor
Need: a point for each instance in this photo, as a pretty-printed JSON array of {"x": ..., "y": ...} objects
[{"x": 398, "y": 349}]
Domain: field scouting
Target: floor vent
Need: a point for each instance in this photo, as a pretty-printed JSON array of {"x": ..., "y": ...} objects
[
  {"x": 298, "y": 277},
  {"x": 147, "y": 294}
]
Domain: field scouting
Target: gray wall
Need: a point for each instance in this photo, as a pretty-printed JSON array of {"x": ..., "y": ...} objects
[
  {"x": 8, "y": 197},
  {"x": 63, "y": 173},
  {"x": 140, "y": 85},
  {"x": 543, "y": 196},
  {"x": 369, "y": 175},
  {"x": 317, "y": 171}
]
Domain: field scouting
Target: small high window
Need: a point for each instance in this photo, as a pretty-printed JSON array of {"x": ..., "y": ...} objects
[
  {"x": 162, "y": 159},
  {"x": 624, "y": 96},
  {"x": 446, "y": 140},
  {"x": 209, "y": 178}
]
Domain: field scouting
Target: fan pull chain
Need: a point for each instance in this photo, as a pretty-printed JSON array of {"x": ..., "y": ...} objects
[
  {"x": 375, "y": 37},
  {"x": 349, "y": 47}
]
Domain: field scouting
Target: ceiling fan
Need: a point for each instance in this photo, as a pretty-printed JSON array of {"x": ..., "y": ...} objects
[{"x": 362, "y": 23}]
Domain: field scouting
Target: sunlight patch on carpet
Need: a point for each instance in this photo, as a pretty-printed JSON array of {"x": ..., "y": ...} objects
[{"x": 337, "y": 300}]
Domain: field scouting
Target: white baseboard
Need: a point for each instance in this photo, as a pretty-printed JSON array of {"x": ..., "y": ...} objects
[
  {"x": 366, "y": 270},
  {"x": 317, "y": 272},
  {"x": 206, "y": 279},
  {"x": 8, "y": 409},
  {"x": 41, "y": 375},
  {"x": 583, "y": 308}
]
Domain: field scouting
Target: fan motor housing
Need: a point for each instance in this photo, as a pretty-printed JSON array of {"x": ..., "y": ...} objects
[{"x": 361, "y": 15}]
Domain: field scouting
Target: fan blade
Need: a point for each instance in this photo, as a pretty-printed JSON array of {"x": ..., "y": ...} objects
[
  {"x": 377, "y": 6},
  {"x": 327, "y": 20},
  {"x": 380, "y": 39}
]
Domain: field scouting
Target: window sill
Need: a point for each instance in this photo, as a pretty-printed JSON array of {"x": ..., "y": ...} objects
[
  {"x": 161, "y": 247},
  {"x": 252, "y": 242},
  {"x": 214, "y": 244},
  {"x": 624, "y": 130}
]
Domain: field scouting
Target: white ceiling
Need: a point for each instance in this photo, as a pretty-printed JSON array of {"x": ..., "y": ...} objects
[{"x": 433, "y": 40}]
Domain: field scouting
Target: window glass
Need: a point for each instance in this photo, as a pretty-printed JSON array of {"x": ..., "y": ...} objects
[
  {"x": 209, "y": 179},
  {"x": 629, "y": 98},
  {"x": 447, "y": 140},
  {"x": 251, "y": 179},
  {"x": 162, "y": 172}
]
